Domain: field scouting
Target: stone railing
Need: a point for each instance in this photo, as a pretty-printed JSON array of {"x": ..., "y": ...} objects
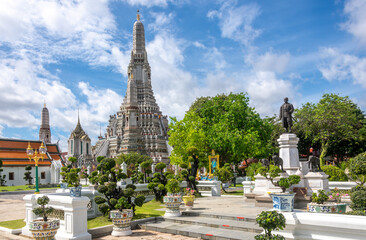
[
  {"x": 72, "y": 213},
  {"x": 341, "y": 185},
  {"x": 209, "y": 188},
  {"x": 323, "y": 226},
  {"x": 93, "y": 210}
]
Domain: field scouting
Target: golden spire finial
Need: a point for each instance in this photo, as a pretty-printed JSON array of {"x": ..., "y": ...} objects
[
  {"x": 138, "y": 15},
  {"x": 44, "y": 104}
]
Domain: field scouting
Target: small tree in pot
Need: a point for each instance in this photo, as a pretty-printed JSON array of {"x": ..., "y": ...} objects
[
  {"x": 119, "y": 204},
  {"x": 281, "y": 201},
  {"x": 44, "y": 228},
  {"x": 72, "y": 177},
  {"x": 270, "y": 220},
  {"x": 173, "y": 199}
]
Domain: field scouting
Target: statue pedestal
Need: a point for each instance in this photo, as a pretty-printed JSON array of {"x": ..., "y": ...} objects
[
  {"x": 289, "y": 152},
  {"x": 315, "y": 181}
]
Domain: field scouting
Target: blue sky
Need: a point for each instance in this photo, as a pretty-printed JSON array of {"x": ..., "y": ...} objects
[{"x": 74, "y": 54}]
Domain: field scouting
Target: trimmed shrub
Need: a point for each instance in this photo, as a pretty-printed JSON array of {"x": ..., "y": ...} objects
[
  {"x": 335, "y": 173},
  {"x": 358, "y": 198}
]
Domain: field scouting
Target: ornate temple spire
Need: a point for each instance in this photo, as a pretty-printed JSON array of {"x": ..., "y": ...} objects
[
  {"x": 138, "y": 36},
  {"x": 44, "y": 130}
]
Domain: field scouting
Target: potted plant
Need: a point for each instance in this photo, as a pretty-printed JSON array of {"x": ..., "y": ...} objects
[
  {"x": 319, "y": 205},
  {"x": 281, "y": 201},
  {"x": 43, "y": 228},
  {"x": 173, "y": 199},
  {"x": 73, "y": 179},
  {"x": 188, "y": 198},
  {"x": 117, "y": 203},
  {"x": 270, "y": 220}
]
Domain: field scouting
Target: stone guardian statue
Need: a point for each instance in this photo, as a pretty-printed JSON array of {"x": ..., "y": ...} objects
[{"x": 286, "y": 111}]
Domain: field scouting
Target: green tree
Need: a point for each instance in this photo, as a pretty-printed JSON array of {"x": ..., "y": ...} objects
[
  {"x": 225, "y": 123},
  {"x": 132, "y": 158},
  {"x": 233, "y": 128},
  {"x": 2, "y": 177},
  {"x": 28, "y": 174},
  {"x": 335, "y": 123}
]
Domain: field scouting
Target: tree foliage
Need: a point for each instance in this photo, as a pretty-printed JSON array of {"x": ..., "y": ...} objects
[
  {"x": 335, "y": 123},
  {"x": 225, "y": 123},
  {"x": 269, "y": 221}
]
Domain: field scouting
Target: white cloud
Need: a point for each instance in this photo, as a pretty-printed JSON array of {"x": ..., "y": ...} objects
[
  {"x": 52, "y": 30},
  {"x": 356, "y": 24},
  {"x": 148, "y": 3},
  {"x": 1, "y": 131},
  {"x": 265, "y": 92},
  {"x": 340, "y": 66},
  {"x": 270, "y": 62},
  {"x": 236, "y": 21},
  {"x": 162, "y": 21}
]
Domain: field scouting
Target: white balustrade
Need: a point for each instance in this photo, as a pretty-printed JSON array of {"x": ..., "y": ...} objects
[{"x": 72, "y": 212}]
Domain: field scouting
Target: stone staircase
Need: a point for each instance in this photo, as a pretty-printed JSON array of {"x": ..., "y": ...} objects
[{"x": 206, "y": 226}]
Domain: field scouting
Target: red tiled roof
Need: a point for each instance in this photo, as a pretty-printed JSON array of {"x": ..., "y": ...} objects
[{"x": 13, "y": 152}]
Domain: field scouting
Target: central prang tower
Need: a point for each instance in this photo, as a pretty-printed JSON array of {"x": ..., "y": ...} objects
[{"x": 139, "y": 126}]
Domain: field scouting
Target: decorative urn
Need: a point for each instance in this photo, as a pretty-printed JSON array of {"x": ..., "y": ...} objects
[{"x": 121, "y": 222}]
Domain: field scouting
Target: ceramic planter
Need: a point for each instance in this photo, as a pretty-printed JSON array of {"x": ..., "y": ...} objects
[
  {"x": 339, "y": 208},
  {"x": 42, "y": 230},
  {"x": 188, "y": 202},
  {"x": 75, "y": 191},
  {"x": 63, "y": 185},
  {"x": 121, "y": 222},
  {"x": 283, "y": 202},
  {"x": 172, "y": 203}
]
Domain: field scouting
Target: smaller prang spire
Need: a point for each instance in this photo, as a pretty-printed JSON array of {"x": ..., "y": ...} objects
[
  {"x": 44, "y": 130},
  {"x": 138, "y": 15}
]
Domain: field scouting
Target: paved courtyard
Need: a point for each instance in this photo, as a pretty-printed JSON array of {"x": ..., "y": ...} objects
[{"x": 12, "y": 207}]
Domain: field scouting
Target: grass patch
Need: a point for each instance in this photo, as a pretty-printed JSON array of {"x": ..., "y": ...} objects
[
  {"x": 13, "y": 224},
  {"x": 99, "y": 222},
  {"x": 238, "y": 193},
  {"x": 237, "y": 185},
  {"x": 147, "y": 210},
  {"x": 20, "y": 188}
]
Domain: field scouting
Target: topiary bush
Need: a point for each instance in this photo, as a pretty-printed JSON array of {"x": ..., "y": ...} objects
[
  {"x": 269, "y": 221},
  {"x": 335, "y": 173},
  {"x": 358, "y": 198},
  {"x": 159, "y": 181},
  {"x": 114, "y": 196},
  {"x": 173, "y": 186},
  {"x": 42, "y": 210}
]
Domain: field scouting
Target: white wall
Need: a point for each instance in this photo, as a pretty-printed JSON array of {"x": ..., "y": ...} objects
[{"x": 19, "y": 175}]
